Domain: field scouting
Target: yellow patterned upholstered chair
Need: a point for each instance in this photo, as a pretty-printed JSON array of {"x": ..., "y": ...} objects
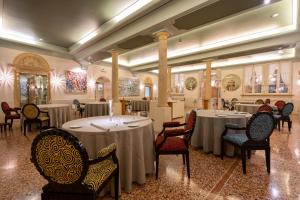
[
  {"x": 33, "y": 114},
  {"x": 63, "y": 161}
]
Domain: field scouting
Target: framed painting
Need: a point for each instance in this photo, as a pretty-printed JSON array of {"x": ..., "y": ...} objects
[
  {"x": 76, "y": 82},
  {"x": 231, "y": 82}
]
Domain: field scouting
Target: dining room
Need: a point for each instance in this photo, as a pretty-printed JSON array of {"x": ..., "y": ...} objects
[{"x": 149, "y": 99}]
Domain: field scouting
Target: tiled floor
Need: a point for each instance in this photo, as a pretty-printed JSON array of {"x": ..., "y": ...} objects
[{"x": 211, "y": 178}]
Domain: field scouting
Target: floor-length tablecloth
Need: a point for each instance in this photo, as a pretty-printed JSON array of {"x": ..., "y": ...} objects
[
  {"x": 210, "y": 126},
  {"x": 93, "y": 109},
  {"x": 58, "y": 113},
  {"x": 140, "y": 105},
  {"x": 250, "y": 108},
  {"x": 135, "y": 149}
]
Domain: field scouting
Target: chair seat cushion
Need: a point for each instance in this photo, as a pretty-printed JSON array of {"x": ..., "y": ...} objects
[
  {"x": 172, "y": 144},
  {"x": 236, "y": 138},
  {"x": 98, "y": 173},
  {"x": 43, "y": 118},
  {"x": 13, "y": 116},
  {"x": 177, "y": 131}
]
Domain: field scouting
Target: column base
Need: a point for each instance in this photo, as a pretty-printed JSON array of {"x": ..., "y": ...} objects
[{"x": 159, "y": 115}]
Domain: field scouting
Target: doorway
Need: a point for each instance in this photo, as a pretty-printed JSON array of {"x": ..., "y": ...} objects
[
  {"x": 148, "y": 92},
  {"x": 103, "y": 88}
]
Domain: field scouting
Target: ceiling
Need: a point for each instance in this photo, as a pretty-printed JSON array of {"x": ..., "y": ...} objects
[{"x": 196, "y": 28}]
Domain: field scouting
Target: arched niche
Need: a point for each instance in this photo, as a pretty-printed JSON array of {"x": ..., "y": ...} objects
[
  {"x": 148, "y": 87},
  {"x": 33, "y": 65},
  {"x": 103, "y": 88}
]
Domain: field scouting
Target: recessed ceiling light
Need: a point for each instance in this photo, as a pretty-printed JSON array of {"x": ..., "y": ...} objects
[
  {"x": 267, "y": 2},
  {"x": 275, "y": 15},
  {"x": 41, "y": 39}
]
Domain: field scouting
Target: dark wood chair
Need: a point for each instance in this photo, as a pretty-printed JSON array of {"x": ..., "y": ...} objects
[
  {"x": 10, "y": 113},
  {"x": 32, "y": 115},
  {"x": 3, "y": 126},
  {"x": 78, "y": 107},
  {"x": 268, "y": 101},
  {"x": 102, "y": 100},
  {"x": 63, "y": 161},
  {"x": 284, "y": 115},
  {"x": 255, "y": 136},
  {"x": 168, "y": 142},
  {"x": 259, "y": 101},
  {"x": 225, "y": 104},
  {"x": 265, "y": 108}
]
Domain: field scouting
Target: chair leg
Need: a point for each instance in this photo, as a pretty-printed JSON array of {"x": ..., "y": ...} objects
[
  {"x": 157, "y": 164},
  {"x": 244, "y": 160},
  {"x": 268, "y": 159},
  {"x": 249, "y": 153},
  {"x": 25, "y": 127},
  {"x": 117, "y": 185},
  {"x": 183, "y": 159},
  {"x": 222, "y": 149},
  {"x": 11, "y": 124},
  {"x": 187, "y": 157},
  {"x": 290, "y": 124},
  {"x": 278, "y": 125}
]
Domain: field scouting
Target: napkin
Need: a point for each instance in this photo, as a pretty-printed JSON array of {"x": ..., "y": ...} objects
[
  {"x": 100, "y": 127},
  {"x": 134, "y": 121}
]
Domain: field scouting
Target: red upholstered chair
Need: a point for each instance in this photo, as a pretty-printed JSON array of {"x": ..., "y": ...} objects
[
  {"x": 265, "y": 108},
  {"x": 169, "y": 142},
  {"x": 10, "y": 113},
  {"x": 280, "y": 104}
]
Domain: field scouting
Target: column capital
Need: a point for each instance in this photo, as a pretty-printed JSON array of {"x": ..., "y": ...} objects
[
  {"x": 162, "y": 35},
  {"x": 114, "y": 52}
]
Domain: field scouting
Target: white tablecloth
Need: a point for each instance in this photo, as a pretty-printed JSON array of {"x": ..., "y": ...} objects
[
  {"x": 250, "y": 108},
  {"x": 93, "y": 109},
  {"x": 135, "y": 149},
  {"x": 209, "y": 127},
  {"x": 58, "y": 113}
]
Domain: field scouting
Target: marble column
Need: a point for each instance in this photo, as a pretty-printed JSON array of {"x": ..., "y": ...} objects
[
  {"x": 169, "y": 81},
  {"x": 163, "y": 69},
  {"x": 115, "y": 77},
  {"x": 207, "y": 85},
  {"x": 117, "y": 107}
]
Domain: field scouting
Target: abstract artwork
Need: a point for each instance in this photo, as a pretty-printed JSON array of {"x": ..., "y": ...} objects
[
  {"x": 76, "y": 82},
  {"x": 129, "y": 87},
  {"x": 231, "y": 82}
]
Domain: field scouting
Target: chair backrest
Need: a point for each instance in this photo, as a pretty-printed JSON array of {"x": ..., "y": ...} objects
[
  {"x": 59, "y": 157},
  {"x": 267, "y": 101},
  {"x": 5, "y": 107},
  {"x": 77, "y": 103},
  {"x": 287, "y": 109},
  {"x": 30, "y": 111},
  {"x": 259, "y": 101},
  {"x": 260, "y": 126},
  {"x": 280, "y": 104},
  {"x": 190, "y": 125},
  {"x": 144, "y": 98},
  {"x": 234, "y": 99},
  {"x": 102, "y": 99},
  {"x": 265, "y": 108}
]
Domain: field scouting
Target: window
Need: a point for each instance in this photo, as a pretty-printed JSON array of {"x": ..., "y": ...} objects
[{"x": 270, "y": 78}]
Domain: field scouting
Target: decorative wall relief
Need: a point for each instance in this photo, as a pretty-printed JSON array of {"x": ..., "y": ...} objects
[
  {"x": 129, "y": 87},
  {"x": 190, "y": 83},
  {"x": 231, "y": 82},
  {"x": 76, "y": 82}
]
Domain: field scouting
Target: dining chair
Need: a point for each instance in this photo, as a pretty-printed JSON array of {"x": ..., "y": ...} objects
[
  {"x": 168, "y": 141},
  {"x": 265, "y": 108},
  {"x": 284, "y": 115},
  {"x": 32, "y": 115},
  {"x": 102, "y": 99},
  {"x": 279, "y": 104},
  {"x": 225, "y": 104},
  {"x": 268, "y": 101},
  {"x": 255, "y": 136},
  {"x": 63, "y": 161},
  {"x": 259, "y": 101},
  {"x": 78, "y": 107},
  {"x": 10, "y": 113}
]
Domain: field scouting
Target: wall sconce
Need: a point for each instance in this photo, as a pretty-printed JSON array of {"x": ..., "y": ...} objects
[
  {"x": 141, "y": 86},
  {"x": 57, "y": 81},
  {"x": 298, "y": 82},
  {"x": 6, "y": 76},
  {"x": 154, "y": 87},
  {"x": 92, "y": 83}
]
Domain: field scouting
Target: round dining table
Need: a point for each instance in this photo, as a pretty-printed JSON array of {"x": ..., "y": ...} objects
[
  {"x": 97, "y": 108},
  {"x": 250, "y": 108},
  {"x": 58, "y": 113},
  {"x": 133, "y": 135},
  {"x": 209, "y": 127}
]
